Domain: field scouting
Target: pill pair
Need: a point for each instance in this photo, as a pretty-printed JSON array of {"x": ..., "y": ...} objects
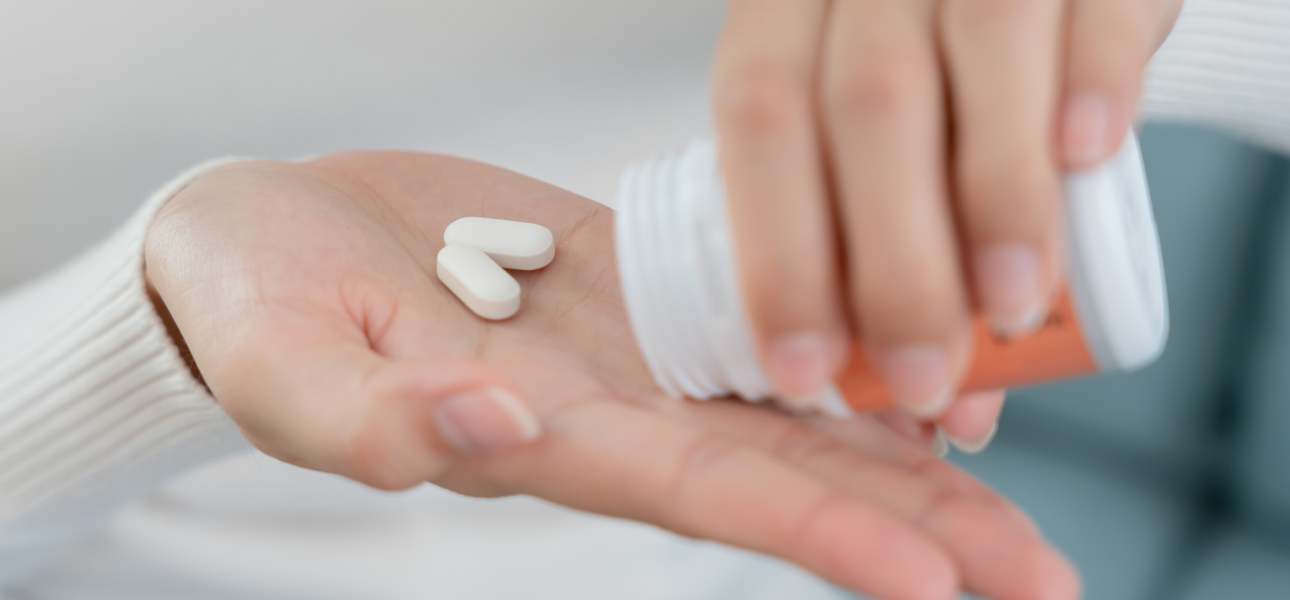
[{"x": 476, "y": 253}]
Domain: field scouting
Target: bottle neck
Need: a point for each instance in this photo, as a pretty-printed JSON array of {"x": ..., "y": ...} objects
[{"x": 680, "y": 279}]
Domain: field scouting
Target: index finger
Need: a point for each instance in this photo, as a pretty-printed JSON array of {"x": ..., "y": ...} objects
[{"x": 777, "y": 196}]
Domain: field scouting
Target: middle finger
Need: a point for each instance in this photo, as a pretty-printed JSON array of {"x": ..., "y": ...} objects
[{"x": 883, "y": 106}]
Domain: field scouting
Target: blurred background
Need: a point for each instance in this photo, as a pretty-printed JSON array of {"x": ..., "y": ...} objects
[
  {"x": 1169, "y": 483},
  {"x": 1174, "y": 482}
]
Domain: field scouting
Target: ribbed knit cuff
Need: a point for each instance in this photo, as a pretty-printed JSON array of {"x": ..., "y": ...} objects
[
  {"x": 1226, "y": 64},
  {"x": 96, "y": 405}
]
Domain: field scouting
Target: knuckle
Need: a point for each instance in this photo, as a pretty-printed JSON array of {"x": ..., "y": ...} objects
[
  {"x": 790, "y": 305},
  {"x": 917, "y": 299},
  {"x": 996, "y": 188},
  {"x": 787, "y": 268},
  {"x": 369, "y": 460},
  {"x": 763, "y": 98},
  {"x": 889, "y": 83},
  {"x": 775, "y": 286}
]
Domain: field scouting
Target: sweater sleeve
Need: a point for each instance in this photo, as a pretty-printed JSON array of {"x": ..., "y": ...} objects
[
  {"x": 96, "y": 404},
  {"x": 1227, "y": 65}
]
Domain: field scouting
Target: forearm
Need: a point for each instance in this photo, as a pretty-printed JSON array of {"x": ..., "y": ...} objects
[
  {"x": 96, "y": 404},
  {"x": 1227, "y": 64}
]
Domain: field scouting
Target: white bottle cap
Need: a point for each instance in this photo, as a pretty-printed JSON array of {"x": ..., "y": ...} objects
[{"x": 1113, "y": 262}]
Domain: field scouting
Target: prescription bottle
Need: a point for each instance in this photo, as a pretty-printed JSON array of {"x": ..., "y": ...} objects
[{"x": 681, "y": 286}]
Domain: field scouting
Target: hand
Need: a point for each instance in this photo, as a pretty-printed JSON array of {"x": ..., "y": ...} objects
[
  {"x": 886, "y": 158},
  {"x": 307, "y": 297}
]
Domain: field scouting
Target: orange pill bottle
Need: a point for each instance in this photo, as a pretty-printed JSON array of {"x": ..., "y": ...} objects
[{"x": 681, "y": 287}]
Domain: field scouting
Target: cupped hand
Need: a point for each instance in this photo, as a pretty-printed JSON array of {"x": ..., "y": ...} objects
[
  {"x": 306, "y": 294},
  {"x": 893, "y": 166}
]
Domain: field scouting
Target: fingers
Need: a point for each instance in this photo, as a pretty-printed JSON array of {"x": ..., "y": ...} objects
[
  {"x": 969, "y": 424},
  {"x": 775, "y": 182},
  {"x": 883, "y": 106},
  {"x": 623, "y": 461},
  {"x": 973, "y": 420},
  {"x": 325, "y": 401},
  {"x": 922, "y": 433},
  {"x": 1002, "y": 58},
  {"x": 1110, "y": 42},
  {"x": 999, "y": 551}
]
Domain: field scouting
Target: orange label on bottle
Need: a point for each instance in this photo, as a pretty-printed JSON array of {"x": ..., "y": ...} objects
[{"x": 1056, "y": 350}]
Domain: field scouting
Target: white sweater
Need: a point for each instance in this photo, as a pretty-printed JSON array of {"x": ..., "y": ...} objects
[{"x": 98, "y": 413}]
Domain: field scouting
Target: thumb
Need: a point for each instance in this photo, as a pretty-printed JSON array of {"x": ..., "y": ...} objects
[{"x": 390, "y": 424}]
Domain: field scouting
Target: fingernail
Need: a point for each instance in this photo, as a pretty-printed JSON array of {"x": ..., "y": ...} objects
[
  {"x": 939, "y": 447},
  {"x": 1084, "y": 129},
  {"x": 799, "y": 366},
  {"x": 919, "y": 378},
  {"x": 487, "y": 420},
  {"x": 1008, "y": 280},
  {"x": 974, "y": 446}
]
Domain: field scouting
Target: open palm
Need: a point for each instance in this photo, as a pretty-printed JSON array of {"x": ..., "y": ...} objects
[{"x": 307, "y": 297}]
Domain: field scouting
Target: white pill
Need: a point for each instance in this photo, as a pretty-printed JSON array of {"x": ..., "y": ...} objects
[
  {"x": 480, "y": 283},
  {"x": 514, "y": 245}
]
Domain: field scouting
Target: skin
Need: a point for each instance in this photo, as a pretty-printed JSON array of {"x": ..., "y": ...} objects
[
  {"x": 306, "y": 295},
  {"x": 893, "y": 167}
]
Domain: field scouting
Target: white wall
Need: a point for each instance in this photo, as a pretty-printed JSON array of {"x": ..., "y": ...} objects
[{"x": 102, "y": 102}]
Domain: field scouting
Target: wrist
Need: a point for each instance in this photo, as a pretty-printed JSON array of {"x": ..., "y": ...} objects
[{"x": 172, "y": 328}]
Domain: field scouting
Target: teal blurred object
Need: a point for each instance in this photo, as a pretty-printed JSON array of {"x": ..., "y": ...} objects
[{"x": 1174, "y": 482}]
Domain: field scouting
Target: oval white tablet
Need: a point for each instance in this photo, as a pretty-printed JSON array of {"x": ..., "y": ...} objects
[
  {"x": 514, "y": 245},
  {"x": 485, "y": 288}
]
